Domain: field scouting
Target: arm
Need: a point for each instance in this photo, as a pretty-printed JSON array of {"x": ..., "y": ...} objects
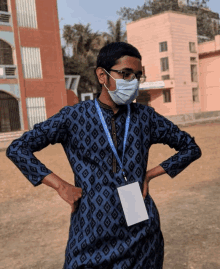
[
  {"x": 166, "y": 132},
  {"x": 21, "y": 150},
  {"x": 154, "y": 172},
  {"x": 67, "y": 192}
]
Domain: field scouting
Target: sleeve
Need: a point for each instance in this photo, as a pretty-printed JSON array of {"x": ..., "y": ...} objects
[
  {"x": 21, "y": 150},
  {"x": 166, "y": 132}
]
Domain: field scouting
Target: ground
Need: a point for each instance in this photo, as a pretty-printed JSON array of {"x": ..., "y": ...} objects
[{"x": 35, "y": 220}]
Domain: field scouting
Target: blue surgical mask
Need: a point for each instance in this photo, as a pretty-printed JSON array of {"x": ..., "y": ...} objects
[{"x": 126, "y": 91}]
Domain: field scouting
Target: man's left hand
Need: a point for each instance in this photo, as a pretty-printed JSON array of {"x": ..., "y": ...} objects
[
  {"x": 146, "y": 185},
  {"x": 155, "y": 172}
]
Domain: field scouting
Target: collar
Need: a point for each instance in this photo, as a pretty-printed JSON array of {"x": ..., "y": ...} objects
[
  {"x": 121, "y": 107},
  {"x": 103, "y": 105}
]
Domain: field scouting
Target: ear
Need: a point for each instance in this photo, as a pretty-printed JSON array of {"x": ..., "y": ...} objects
[{"x": 101, "y": 75}]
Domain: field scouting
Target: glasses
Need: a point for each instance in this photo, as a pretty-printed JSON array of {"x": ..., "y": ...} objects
[{"x": 129, "y": 75}]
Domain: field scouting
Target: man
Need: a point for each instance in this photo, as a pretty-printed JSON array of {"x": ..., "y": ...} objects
[{"x": 107, "y": 142}]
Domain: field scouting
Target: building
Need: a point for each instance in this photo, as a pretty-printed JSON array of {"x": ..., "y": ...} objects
[
  {"x": 194, "y": 8},
  {"x": 32, "y": 83},
  {"x": 209, "y": 75},
  {"x": 176, "y": 66}
]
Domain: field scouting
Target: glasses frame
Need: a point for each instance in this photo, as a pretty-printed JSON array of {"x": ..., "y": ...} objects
[{"x": 122, "y": 72}]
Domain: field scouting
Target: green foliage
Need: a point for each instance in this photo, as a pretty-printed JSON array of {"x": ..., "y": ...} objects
[
  {"x": 149, "y": 8},
  {"x": 86, "y": 44},
  {"x": 85, "y": 47}
]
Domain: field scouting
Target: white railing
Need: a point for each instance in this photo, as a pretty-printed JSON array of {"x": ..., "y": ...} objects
[
  {"x": 72, "y": 82},
  {"x": 8, "y": 71},
  {"x": 5, "y": 17}
]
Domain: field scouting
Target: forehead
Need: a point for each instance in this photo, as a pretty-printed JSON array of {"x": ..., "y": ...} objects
[{"x": 129, "y": 62}]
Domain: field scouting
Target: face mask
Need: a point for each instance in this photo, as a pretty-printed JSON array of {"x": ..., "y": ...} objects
[{"x": 126, "y": 91}]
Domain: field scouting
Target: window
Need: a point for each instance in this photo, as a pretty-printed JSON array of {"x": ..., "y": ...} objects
[
  {"x": 163, "y": 46},
  {"x": 166, "y": 77},
  {"x": 4, "y": 15},
  {"x": 164, "y": 64},
  {"x": 195, "y": 95},
  {"x": 143, "y": 71},
  {"x": 86, "y": 96},
  {"x": 192, "y": 47},
  {"x": 26, "y": 13},
  {"x": 31, "y": 61},
  {"x": 166, "y": 96},
  {"x": 193, "y": 73},
  {"x": 193, "y": 59},
  {"x": 143, "y": 77},
  {"x": 4, "y": 5},
  {"x": 7, "y": 69},
  {"x": 5, "y": 53},
  {"x": 144, "y": 98},
  {"x": 36, "y": 110}
]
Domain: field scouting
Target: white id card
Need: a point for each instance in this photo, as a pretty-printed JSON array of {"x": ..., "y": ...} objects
[{"x": 133, "y": 203}]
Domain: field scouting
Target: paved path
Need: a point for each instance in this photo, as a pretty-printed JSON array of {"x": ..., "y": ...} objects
[{"x": 35, "y": 221}]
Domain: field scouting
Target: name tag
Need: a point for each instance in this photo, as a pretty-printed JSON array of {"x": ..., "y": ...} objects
[{"x": 132, "y": 203}]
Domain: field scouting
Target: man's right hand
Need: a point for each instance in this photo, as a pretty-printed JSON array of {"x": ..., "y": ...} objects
[
  {"x": 67, "y": 192},
  {"x": 70, "y": 194}
]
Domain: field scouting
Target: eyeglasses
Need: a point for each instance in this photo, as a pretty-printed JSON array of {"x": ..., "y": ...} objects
[{"x": 129, "y": 75}]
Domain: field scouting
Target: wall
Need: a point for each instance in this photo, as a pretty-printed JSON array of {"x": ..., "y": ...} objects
[
  {"x": 157, "y": 101},
  {"x": 183, "y": 30},
  {"x": 72, "y": 99},
  {"x": 209, "y": 78},
  {"x": 178, "y": 30},
  {"x": 47, "y": 38}
]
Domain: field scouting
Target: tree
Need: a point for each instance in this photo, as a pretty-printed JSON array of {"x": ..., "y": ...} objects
[
  {"x": 116, "y": 32},
  {"x": 84, "y": 49},
  {"x": 86, "y": 45},
  {"x": 149, "y": 8}
]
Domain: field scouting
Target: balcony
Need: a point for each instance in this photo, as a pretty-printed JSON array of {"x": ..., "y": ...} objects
[
  {"x": 5, "y": 18},
  {"x": 155, "y": 85},
  {"x": 8, "y": 71}
]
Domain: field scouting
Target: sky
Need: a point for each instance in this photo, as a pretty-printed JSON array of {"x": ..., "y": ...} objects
[{"x": 98, "y": 12}]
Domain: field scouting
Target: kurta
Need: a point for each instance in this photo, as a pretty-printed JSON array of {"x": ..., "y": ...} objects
[{"x": 98, "y": 235}]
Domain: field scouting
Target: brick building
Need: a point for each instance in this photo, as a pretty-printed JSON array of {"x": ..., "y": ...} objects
[{"x": 32, "y": 82}]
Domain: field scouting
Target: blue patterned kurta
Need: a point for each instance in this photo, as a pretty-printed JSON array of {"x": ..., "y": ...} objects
[{"x": 98, "y": 235}]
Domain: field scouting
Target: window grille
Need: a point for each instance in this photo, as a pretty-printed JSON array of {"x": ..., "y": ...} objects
[
  {"x": 36, "y": 110},
  {"x": 164, "y": 64},
  {"x": 192, "y": 47},
  {"x": 26, "y": 13},
  {"x": 166, "y": 96},
  {"x": 5, "y": 53},
  {"x": 166, "y": 77},
  {"x": 193, "y": 59},
  {"x": 4, "y": 5},
  {"x": 31, "y": 60},
  {"x": 163, "y": 46},
  {"x": 195, "y": 95},
  {"x": 10, "y": 71},
  {"x": 5, "y": 17},
  {"x": 193, "y": 73}
]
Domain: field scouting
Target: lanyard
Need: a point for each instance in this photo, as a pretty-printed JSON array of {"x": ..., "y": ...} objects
[{"x": 110, "y": 138}]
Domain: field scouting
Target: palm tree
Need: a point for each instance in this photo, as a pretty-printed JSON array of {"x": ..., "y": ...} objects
[
  {"x": 116, "y": 32},
  {"x": 86, "y": 46},
  {"x": 80, "y": 37}
]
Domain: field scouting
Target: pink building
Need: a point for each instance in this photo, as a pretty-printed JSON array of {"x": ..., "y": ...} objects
[
  {"x": 182, "y": 76},
  {"x": 209, "y": 74}
]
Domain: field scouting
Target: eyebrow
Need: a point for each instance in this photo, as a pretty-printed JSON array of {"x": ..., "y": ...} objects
[{"x": 129, "y": 69}]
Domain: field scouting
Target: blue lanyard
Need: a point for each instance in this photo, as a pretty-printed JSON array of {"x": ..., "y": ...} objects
[{"x": 110, "y": 138}]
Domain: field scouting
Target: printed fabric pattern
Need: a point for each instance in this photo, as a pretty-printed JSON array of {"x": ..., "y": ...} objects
[{"x": 98, "y": 234}]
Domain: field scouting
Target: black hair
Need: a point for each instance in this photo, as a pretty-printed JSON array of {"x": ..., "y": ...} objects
[{"x": 111, "y": 53}]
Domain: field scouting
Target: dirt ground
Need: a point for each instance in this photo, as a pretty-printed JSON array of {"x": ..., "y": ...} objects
[{"x": 34, "y": 221}]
